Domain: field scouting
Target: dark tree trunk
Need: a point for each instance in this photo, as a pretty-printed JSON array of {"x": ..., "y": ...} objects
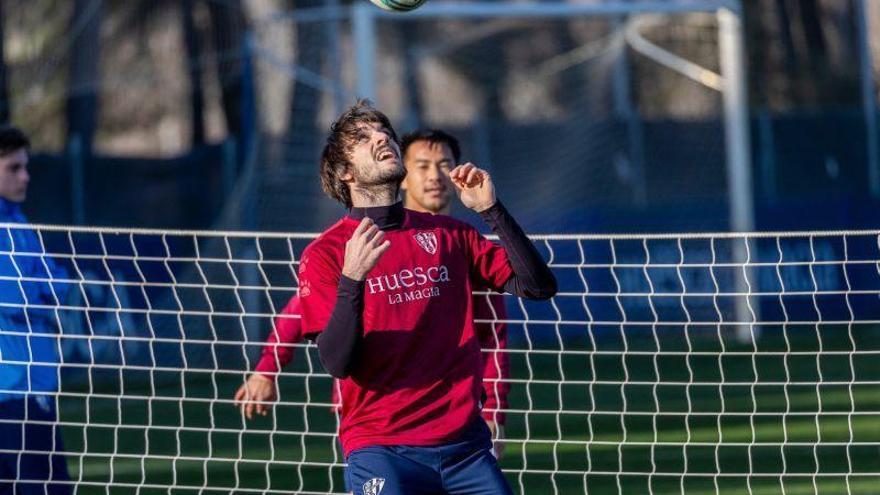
[
  {"x": 193, "y": 56},
  {"x": 756, "y": 28},
  {"x": 82, "y": 92},
  {"x": 227, "y": 28},
  {"x": 302, "y": 139},
  {"x": 4, "y": 77},
  {"x": 784, "y": 17},
  {"x": 304, "y": 106},
  {"x": 811, "y": 20},
  {"x": 302, "y": 143}
]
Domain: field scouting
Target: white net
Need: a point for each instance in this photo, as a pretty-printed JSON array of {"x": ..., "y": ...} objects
[{"x": 631, "y": 380}]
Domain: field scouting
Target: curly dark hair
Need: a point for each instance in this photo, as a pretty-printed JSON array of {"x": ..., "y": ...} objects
[
  {"x": 433, "y": 136},
  {"x": 12, "y": 139},
  {"x": 344, "y": 133}
]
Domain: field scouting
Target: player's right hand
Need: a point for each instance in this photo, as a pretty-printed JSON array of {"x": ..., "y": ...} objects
[
  {"x": 255, "y": 396},
  {"x": 363, "y": 250}
]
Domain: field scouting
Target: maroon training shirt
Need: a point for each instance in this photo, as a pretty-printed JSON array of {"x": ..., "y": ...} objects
[
  {"x": 417, "y": 375},
  {"x": 488, "y": 310}
]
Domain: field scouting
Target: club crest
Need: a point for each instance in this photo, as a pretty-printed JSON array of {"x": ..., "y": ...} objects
[
  {"x": 428, "y": 241},
  {"x": 374, "y": 486}
]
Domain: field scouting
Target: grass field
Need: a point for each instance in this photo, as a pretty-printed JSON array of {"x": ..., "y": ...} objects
[{"x": 744, "y": 422}]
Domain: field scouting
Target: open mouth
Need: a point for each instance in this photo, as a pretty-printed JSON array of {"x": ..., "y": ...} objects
[{"x": 385, "y": 153}]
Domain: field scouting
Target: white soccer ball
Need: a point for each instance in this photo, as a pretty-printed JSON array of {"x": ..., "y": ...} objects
[{"x": 399, "y": 5}]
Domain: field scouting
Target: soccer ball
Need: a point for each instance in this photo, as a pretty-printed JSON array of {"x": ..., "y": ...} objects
[{"x": 399, "y": 5}]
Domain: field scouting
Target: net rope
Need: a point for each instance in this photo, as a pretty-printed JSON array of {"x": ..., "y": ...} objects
[{"x": 636, "y": 377}]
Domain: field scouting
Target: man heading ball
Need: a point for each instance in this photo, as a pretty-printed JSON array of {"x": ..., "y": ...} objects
[{"x": 387, "y": 294}]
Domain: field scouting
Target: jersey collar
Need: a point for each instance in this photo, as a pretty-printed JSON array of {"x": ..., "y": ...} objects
[{"x": 386, "y": 217}]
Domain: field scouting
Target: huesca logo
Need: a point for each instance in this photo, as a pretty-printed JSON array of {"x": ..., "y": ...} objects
[
  {"x": 408, "y": 278},
  {"x": 417, "y": 283}
]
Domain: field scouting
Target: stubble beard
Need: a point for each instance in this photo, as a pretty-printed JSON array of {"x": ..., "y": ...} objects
[
  {"x": 383, "y": 177},
  {"x": 386, "y": 183}
]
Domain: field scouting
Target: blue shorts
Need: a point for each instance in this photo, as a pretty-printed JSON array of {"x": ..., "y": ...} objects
[
  {"x": 465, "y": 466},
  {"x": 38, "y": 470}
]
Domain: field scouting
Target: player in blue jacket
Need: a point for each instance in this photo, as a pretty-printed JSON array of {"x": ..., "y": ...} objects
[{"x": 31, "y": 453}]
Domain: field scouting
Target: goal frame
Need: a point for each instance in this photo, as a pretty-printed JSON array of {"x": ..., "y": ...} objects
[{"x": 731, "y": 82}]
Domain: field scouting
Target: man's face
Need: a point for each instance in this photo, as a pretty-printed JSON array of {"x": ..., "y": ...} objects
[
  {"x": 376, "y": 157},
  {"x": 14, "y": 177},
  {"x": 427, "y": 186}
]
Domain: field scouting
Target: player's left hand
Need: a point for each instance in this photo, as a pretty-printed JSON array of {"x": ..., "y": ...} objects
[{"x": 474, "y": 186}]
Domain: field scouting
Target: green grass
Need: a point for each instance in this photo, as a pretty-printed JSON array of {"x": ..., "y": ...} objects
[{"x": 617, "y": 435}]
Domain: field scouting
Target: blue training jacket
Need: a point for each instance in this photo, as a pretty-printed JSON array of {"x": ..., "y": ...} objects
[{"x": 29, "y": 347}]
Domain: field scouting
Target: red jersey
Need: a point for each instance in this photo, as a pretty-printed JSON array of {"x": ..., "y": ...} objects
[
  {"x": 417, "y": 376},
  {"x": 278, "y": 351}
]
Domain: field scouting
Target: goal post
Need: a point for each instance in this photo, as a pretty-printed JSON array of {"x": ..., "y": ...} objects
[
  {"x": 731, "y": 83},
  {"x": 631, "y": 380}
]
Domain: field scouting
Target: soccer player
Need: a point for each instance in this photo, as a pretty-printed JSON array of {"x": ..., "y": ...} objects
[
  {"x": 386, "y": 292},
  {"x": 30, "y": 442},
  {"x": 428, "y": 157}
]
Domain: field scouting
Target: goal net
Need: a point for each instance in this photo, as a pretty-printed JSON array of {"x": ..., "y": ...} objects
[
  {"x": 631, "y": 380},
  {"x": 610, "y": 111}
]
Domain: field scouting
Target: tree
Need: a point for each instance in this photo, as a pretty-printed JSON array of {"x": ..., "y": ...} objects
[
  {"x": 304, "y": 106},
  {"x": 82, "y": 93},
  {"x": 4, "y": 79},
  {"x": 227, "y": 28},
  {"x": 193, "y": 55}
]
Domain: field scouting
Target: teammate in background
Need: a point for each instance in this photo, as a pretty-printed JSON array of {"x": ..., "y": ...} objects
[
  {"x": 257, "y": 394},
  {"x": 428, "y": 157},
  {"x": 31, "y": 459},
  {"x": 387, "y": 294}
]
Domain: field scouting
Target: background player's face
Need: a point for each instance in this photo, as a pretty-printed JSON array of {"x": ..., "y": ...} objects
[
  {"x": 14, "y": 177},
  {"x": 427, "y": 186},
  {"x": 376, "y": 157}
]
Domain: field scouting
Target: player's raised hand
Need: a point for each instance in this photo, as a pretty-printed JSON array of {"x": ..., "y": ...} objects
[
  {"x": 363, "y": 250},
  {"x": 255, "y": 396},
  {"x": 474, "y": 186}
]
